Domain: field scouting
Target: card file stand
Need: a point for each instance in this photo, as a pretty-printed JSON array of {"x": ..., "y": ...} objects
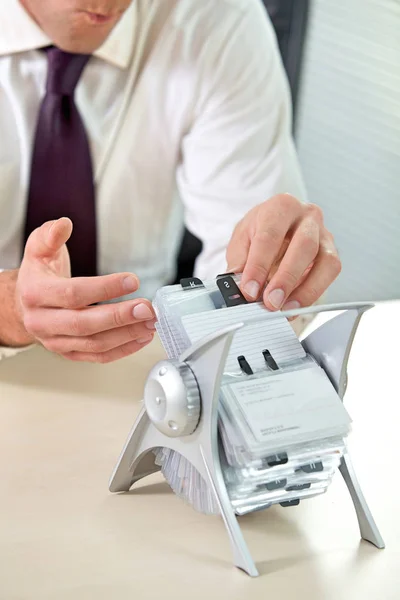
[{"x": 197, "y": 377}]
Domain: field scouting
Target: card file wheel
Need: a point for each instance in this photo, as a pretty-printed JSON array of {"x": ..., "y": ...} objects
[{"x": 180, "y": 428}]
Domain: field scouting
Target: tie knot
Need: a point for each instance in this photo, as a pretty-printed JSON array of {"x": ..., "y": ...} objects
[{"x": 64, "y": 70}]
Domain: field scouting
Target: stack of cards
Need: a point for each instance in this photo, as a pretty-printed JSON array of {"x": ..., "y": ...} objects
[{"x": 281, "y": 423}]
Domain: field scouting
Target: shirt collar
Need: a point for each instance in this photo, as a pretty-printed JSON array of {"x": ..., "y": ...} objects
[{"x": 20, "y": 33}]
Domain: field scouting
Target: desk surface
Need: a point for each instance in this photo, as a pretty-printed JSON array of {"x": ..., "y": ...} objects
[{"x": 65, "y": 537}]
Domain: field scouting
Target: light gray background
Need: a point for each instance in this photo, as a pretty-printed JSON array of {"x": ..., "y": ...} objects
[{"x": 348, "y": 137}]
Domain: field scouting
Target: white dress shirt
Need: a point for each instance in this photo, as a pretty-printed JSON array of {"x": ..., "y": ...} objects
[{"x": 188, "y": 114}]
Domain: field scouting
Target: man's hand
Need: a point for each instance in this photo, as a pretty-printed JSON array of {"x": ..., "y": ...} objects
[
  {"x": 284, "y": 243},
  {"x": 58, "y": 310}
]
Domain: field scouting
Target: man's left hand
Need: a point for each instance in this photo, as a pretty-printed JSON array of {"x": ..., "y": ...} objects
[{"x": 283, "y": 243}]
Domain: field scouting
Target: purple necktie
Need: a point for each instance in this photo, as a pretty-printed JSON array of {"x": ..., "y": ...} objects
[{"x": 61, "y": 182}]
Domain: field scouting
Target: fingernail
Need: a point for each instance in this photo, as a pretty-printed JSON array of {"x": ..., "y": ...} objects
[
  {"x": 151, "y": 325},
  {"x": 142, "y": 312},
  {"x": 53, "y": 224},
  {"x": 144, "y": 340},
  {"x": 276, "y": 298},
  {"x": 292, "y": 305},
  {"x": 129, "y": 284},
  {"x": 252, "y": 289}
]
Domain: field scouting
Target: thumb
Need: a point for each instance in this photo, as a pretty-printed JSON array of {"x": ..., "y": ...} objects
[{"x": 47, "y": 240}]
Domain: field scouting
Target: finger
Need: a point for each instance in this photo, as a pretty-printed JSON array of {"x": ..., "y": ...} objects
[
  {"x": 264, "y": 249},
  {"x": 46, "y": 240},
  {"x": 301, "y": 252},
  {"x": 50, "y": 322},
  {"x": 274, "y": 268},
  {"x": 100, "y": 342},
  {"x": 78, "y": 292},
  {"x": 274, "y": 220},
  {"x": 238, "y": 250},
  {"x": 326, "y": 269},
  {"x": 111, "y": 355}
]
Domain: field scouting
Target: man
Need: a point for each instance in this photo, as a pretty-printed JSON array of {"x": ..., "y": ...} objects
[{"x": 118, "y": 119}]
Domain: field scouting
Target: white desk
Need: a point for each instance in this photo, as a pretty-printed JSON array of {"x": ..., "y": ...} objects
[{"x": 65, "y": 537}]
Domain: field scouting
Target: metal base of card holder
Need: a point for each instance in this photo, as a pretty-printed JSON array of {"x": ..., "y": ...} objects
[{"x": 203, "y": 363}]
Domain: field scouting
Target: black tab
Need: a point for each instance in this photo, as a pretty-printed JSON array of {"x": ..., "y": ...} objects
[
  {"x": 225, "y": 275},
  {"x": 230, "y": 291},
  {"x": 277, "y": 459},
  {"x": 276, "y": 485},
  {"x": 313, "y": 468},
  {"x": 244, "y": 365},
  {"x": 270, "y": 361},
  {"x": 290, "y": 503},
  {"x": 298, "y": 488},
  {"x": 190, "y": 283}
]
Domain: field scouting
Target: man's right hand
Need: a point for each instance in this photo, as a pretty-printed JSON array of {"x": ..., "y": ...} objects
[{"x": 56, "y": 310}]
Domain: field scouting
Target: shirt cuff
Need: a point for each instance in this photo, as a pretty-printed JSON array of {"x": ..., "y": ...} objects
[{"x": 9, "y": 352}]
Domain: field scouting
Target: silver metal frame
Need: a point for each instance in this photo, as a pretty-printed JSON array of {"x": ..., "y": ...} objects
[{"x": 330, "y": 345}]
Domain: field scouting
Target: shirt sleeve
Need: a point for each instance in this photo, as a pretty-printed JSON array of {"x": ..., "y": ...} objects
[{"x": 239, "y": 150}]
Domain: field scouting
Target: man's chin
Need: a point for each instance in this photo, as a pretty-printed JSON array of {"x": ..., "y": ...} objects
[
  {"x": 80, "y": 38},
  {"x": 79, "y": 45}
]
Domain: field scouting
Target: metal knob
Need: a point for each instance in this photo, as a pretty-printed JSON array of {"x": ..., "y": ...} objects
[{"x": 172, "y": 398}]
